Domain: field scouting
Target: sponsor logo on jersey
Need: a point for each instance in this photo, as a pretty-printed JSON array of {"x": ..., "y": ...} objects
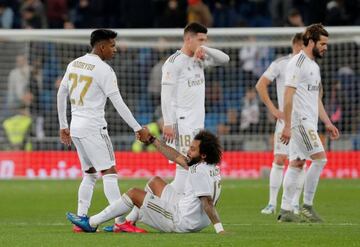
[{"x": 313, "y": 87}]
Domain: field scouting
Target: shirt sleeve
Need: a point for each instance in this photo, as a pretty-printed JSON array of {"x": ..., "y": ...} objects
[
  {"x": 109, "y": 83},
  {"x": 124, "y": 111},
  {"x": 215, "y": 57},
  {"x": 272, "y": 72},
  {"x": 199, "y": 182},
  {"x": 61, "y": 106},
  {"x": 292, "y": 76},
  {"x": 169, "y": 78}
]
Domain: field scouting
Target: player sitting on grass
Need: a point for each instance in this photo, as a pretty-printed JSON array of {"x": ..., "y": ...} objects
[{"x": 161, "y": 207}]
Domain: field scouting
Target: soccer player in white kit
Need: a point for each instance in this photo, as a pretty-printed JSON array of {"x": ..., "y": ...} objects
[
  {"x": 161, "y": 207},
  {"x": 183, "y": 92},
  {"x": 89, "y": 81},
  {"x": 302, "y": 108},
  {"x": 276, "y": 72}
]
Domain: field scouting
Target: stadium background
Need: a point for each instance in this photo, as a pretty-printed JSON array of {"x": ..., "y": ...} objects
[{"x": 252, "y": 32}]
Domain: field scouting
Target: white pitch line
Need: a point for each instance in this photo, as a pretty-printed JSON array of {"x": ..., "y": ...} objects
[{"x": 322, "y": 224}]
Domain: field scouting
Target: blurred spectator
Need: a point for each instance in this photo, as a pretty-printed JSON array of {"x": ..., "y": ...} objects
[
  {"x": 225, "y": 14},
  {"x": 154, "y": 85},
  {"x": 137, "y": 13},
  {"x": 33, "y": 14},
  {"x": 174, "y": 15},
  {"x": 56, "y": 11},
  {"x": 351, "y": 93},
  {"x": 17, "y": 129},
  {"x": 253, "y": 61},
  {"x": 35, "y": 87},
  {"x": 81, "y": 15},
  {"x": 232, "y": 124},
  {"x": 294, "y": 19},
  {"x": 279, "y": 10},
  {"x": 18, "y": 84},
  {"x": 214, "y": 97},
  {"x": 199, "y": 12},
  {"x": 6, "y": 15},
  {"x": 334, "y": 105},
  {"x": 336, "y": 14},
  {"x": 250, "y": 112}
]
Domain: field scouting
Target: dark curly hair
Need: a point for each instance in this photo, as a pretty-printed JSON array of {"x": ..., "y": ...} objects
[
  {"x": 313, "y": 32},
  {"x": 209, "y": 146}
]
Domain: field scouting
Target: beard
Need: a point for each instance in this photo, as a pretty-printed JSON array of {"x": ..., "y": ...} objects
[
  {"x": 316, "y": 53},
  {"x": 193, "y": 161}
]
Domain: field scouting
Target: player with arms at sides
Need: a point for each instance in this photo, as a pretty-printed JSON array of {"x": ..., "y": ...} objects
[
  {"x": 183, "y": 95},
  {"x": 276, "y": 73},
  {"x": 161, "y": 207},
  {"x": 88, "y": 82},
  {"x": 302, "y": 108}
]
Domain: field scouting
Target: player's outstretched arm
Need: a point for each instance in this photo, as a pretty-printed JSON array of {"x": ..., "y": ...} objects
[
  {"x": 124, "y": 111},
  {"x": 210, "y": 210},
  {"x": 262, "y": 89},
  {"x": 169, "y": 152}
]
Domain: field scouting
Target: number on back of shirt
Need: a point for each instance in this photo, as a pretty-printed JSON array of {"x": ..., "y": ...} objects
[{"x": 79, "y": 87}]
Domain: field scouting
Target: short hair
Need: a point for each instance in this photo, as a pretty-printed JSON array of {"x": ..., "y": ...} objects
[
  {"x": 313, "y": 32},
  {"x": 100, "y": 35},
  {"x": 195, "y": 27},
  {"x": 209, "y": 146},
  {"x": 297, "y": 38}
]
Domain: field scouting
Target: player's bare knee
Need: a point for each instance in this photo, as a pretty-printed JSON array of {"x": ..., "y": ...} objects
[
  {"x": 156, "y": 185},
  {"x": 111, "y": 170},
  {"x": 91, "y": 170},
  {"x": 297, "y": 164}
]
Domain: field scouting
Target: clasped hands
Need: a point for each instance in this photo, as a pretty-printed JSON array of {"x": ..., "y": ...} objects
[{"x": 144, "y": 135}]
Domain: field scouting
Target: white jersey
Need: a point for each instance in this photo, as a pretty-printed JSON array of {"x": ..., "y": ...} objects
[
  {"x": 203, "y": 180},
  {"x": 186, "y": 75},
  {"x": 303, "y": 74},
  {"x": 89, "y": 81},
  {"x": 276, "y": 71}
]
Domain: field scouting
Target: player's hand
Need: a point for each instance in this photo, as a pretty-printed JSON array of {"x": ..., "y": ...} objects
[
  {"x": 278, "y": 114},
  {"x": 143, "y": 135},
  {"x": 200, "y": 53},
  {"x": 168, "y": 133},
  {"x": 333, "y": 131},
  {"x": 285, "y": 135},
  {"x": 65, "y": 137}
]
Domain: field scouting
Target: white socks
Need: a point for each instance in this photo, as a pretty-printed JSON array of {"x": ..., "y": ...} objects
[
  {"x": 312, "y": 179},
  {"x": 290, "y": 182},
  {"x": 85, "y": 193},
  {"x": 299, "y": 188},
  {"x": 133, "y": 216},
  {"x": 276, "y": 176},
  {"x": 112, "y": 191},
  {"x": 117, "y": 208}
]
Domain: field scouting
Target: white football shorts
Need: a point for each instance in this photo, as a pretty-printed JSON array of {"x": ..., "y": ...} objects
[
  {"x": 304, "y": 142},
  {"x": 160, "y": 213},
  {"x": 95, "y": 151}
]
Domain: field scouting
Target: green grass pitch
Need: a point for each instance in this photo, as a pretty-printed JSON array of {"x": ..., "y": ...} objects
[{"x": 32, "y": 213}]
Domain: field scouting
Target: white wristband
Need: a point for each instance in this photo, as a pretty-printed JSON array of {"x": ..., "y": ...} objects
[{"x": 218, "y": 227}]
